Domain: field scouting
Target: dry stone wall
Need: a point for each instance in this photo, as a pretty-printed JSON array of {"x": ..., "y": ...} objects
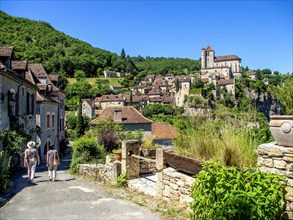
[
  {"x": 99, "y": 172},
  {"x": 273, "y": 158},
  {"x": 176, "y": 186}
]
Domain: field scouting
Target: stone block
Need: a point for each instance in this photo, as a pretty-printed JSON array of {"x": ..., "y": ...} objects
[
  {"x": 288, "y": 157},
  {"x": 280, "y": 164},
  {"x": 183, "y": 191},
  {"x": 174, "y": 186},
  {"x": 180, "y": 183},
  {"x": 289, "y": 194},
  {"x": 289, "y": 174},
  {"x": 265, "y": 162},
  {"x": 290, "y": 182},
  {"x": 185, "y": 199}
]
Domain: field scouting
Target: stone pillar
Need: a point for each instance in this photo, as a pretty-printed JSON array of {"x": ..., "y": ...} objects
[
  {"x": 160, "y": 167},
  {"x": 130, "y": 165},
  {"x": 116, "y": 171},
  {"x": 279, "y": 159}
]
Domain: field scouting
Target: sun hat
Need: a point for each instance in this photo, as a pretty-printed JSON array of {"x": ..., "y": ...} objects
[{"x": 31, "y": 144}]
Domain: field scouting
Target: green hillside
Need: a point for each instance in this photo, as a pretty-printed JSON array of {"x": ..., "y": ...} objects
[{"x": 39, "y": 42}]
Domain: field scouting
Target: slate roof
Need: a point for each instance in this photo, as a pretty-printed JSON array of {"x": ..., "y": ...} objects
[
  {"x": 163, "y": 131},
  {"x": 226, "y": 58},
  {"x": 19, "y": 65},
  {"x": 167, "y": 99},
  {"x": 54, "y": 78},
  {"x": 6, "y": 51},
  {"x": 38, "y": 69},
  {"x": 129, "y": 114}
]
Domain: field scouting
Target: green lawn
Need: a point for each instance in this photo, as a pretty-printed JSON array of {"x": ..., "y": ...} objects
[{"x": 91, "y": 81}]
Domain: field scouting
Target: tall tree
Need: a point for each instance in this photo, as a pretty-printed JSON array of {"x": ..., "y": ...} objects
[
  {"x": 122, "y": 54},
  {"x": 80, "y": 125}
]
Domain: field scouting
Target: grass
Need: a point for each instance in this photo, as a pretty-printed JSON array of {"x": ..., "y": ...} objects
[
  {"x": 230, "y": 143},
  {"x": 92, "y": 81}
]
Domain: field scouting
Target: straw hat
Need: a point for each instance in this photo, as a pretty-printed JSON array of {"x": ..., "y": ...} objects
[{"x": 31, "y": 144}]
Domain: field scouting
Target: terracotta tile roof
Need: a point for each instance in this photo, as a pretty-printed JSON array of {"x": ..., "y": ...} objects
[
  {"x": 224, "y": 82},
  {"x": 155, "y": 99},
  {"x": 19, "y": 65},
  {"x": 167, "y": 99},
  {"x": 209, "y": 48},
  {"x": 111, "y": 98},
  {"x": 205, "y": 80},
  {"x": 163, "y": 131},
  {"x": 251, "y": 73},
  {"x": 37, "y": 69},
  {"x": 6, "y": 51},
  {"x": 222, "y": 76},
  {"x": 129, "y": 115},
  {"x": 154, "y": 92},
  {"x": 226, "y": 58}
]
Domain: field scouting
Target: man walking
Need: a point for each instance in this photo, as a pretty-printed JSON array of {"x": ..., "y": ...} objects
[{"x": 52, "y": 162}]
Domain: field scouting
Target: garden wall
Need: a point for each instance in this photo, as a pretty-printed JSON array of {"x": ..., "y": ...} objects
[{"x": 273, "y": 158}]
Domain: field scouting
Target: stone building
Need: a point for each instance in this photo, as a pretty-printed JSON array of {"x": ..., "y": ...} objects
[
  {"x": 18, "y": 95},
  {"x": 229, "y": 66}
]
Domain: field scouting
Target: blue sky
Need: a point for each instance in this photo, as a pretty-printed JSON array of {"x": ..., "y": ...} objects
[{"x": 259, "y": 32}]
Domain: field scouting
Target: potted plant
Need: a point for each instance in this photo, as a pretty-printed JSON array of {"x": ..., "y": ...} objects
[
  {"x": 117, "y": 154},
  {"x": 281, "y": 126},
  {"x": 147, "y": 149}
]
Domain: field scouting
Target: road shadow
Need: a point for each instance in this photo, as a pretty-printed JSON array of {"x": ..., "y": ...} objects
[{"x": 20, "y": 180}]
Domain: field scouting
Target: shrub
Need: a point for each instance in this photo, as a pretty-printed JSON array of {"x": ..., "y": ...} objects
[
  {"x": 121, "y": 180},
  {"x": 84, "y": 150},
  {"x": 228, "y": 193}
]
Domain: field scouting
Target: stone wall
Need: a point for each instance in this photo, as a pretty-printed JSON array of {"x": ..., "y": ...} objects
[
  {"x": 99, "y": 172},
  {"x": 176, "y": 186},
  {"x": 147, "y": 167},
  {"x": 279, "y": 159}
]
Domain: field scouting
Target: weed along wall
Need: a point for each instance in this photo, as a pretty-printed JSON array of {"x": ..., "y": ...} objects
[{"x": 279, "y": 159}]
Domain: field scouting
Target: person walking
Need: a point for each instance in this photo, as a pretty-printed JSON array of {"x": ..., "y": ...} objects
[
  {"x": 31, "y": 159},
  {"x": 52, "y": 162}
]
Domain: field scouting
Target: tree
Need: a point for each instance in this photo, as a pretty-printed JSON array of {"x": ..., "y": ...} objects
[
  {"x": 80, "y": 125},
  {"x": 122, "y": 54}
]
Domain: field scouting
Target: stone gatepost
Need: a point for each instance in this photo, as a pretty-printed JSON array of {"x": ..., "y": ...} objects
[
  {"x": 160, "y": 167},
  {"x": 279, "y": 159},
  {"x": 130, "y": 165}
]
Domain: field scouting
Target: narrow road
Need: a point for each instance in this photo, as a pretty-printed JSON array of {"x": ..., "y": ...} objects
[{"x": 69, "y": 197}]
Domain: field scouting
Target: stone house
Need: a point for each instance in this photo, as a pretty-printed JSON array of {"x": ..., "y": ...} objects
[
  {"x": 229, "y": 84},
  {"x": 50, "y": 111},
  {"x": 229, "y": 65},
  {"x": 110, "y": 100},
  {"x": 88, "y": 108},
  {"x": 17, "y": 95},
  {"x": 252, "y": 74},
  {"x": 112, "y": 74},
  {"x": 127, "y": 116}
]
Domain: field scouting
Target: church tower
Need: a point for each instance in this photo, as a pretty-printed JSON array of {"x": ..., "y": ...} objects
[
  {"x": 210, "y": 55},
  {"x": 203, "y": 58}
]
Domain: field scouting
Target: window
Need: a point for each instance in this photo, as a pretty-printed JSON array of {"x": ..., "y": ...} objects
[
  {"x": 11, "y": 103},
  {"x": 48, "y": 120},
  {"x": 53, "y": 121},
  {"x": 30, "y": 103}
]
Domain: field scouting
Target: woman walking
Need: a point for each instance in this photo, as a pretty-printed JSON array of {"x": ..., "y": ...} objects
[
  {"x": 31, "y": 159},
  {"x": 52, "y": 162}
]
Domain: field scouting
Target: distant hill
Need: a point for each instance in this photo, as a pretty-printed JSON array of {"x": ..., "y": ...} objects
[{"x": 39, "y": 42}]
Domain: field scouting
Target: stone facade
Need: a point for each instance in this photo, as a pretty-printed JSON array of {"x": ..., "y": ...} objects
[{"x": 273, "y": 158}]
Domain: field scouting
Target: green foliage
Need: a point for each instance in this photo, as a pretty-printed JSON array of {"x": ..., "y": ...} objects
[
  {"x": 84, "y": 149},
  {"x": 4, "y": 171},
  {"x": 132, "y": 135},
  {"x": 121, "y": 180},
  {"x": 107, "y": 134},
  {"x": 80, "y": 125},
  {"x": 71, "y": 120},
  {"x": 285, "y": 94},
  {"x": 156, "y": 109},
  {"x": 228, "y": 193}
]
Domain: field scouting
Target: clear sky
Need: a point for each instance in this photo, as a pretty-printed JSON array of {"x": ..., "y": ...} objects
[{"x": 259, "y": 32}]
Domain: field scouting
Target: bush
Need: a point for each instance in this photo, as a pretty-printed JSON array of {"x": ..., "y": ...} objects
[
  {"x": 227, "y": 193},
  {"x": 121, "y": 180},
  {"x": 84, "y": 150}
]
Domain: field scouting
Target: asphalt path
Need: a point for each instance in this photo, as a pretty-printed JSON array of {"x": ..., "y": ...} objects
[{"x": 69, "y": 197}]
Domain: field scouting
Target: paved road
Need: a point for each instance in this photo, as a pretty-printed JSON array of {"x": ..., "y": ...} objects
[{"x": 69, "y": 197}]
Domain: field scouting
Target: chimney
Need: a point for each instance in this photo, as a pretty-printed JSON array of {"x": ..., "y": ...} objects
[{"x": 117, "y": 115}]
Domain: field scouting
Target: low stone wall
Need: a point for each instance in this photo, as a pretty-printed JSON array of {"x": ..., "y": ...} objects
[
  {"x": 279, "y": 159},
  {"x": 99, "y": 172},
  {"x": 147, "y": 167},
  {"x": 176, "y": 186}
]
